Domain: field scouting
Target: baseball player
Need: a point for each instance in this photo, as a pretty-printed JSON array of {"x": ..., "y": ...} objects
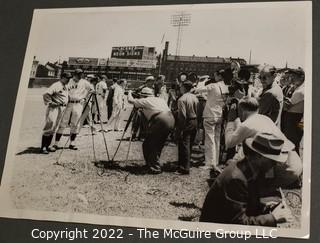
[
  {"x": 78, "y": 89},
  {"x": 118, "y": 106},
  {"x": 101, "y": 89},
  {"x": 55, "y": 98}
]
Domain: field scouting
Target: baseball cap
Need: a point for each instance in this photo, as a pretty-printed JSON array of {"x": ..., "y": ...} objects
[
  {"x": 78, "y": 71},
  {"x": 66, "y": 75}
]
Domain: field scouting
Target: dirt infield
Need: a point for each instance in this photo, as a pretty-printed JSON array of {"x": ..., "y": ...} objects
[{"x": 124, "y": 189}]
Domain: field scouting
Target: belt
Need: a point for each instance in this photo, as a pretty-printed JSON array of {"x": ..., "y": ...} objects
[
  {"x": 74, "y": 101},
  {"x": 56, "y": 104}
]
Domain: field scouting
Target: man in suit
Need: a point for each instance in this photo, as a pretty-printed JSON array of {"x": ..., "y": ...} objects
[{"x": 234, "y": 198}]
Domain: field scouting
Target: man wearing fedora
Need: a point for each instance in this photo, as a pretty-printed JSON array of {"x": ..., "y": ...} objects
[
  {"x": 234, "y": 198},
  {"x": 160, "y": 123},
  {"x": 186, "y": 126},
  {"x": 245, "y": 122}
]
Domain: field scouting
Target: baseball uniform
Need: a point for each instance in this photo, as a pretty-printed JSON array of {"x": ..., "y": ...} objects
[{"x": 56, "y": 99}]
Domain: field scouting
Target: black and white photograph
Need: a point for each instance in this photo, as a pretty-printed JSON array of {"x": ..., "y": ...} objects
[{"x": 192, "y": 117}]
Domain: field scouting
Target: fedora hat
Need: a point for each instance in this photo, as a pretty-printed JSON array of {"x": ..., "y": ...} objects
[
  {"x": 146, "y": 92},
  {"x": 270, "y": 146}
]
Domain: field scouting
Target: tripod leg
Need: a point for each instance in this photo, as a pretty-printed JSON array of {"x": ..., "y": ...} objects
[
  {"x": 102, "y": 129},
  {"x": 60, "y": 154},
  {"x": 124, "y": 131},
  {"x": 130, "y": 141},
  {"x": 92, "y": 137}
]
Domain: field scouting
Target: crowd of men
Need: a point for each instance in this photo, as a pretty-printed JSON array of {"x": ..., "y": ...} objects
[{"x": 251, "y": 127}]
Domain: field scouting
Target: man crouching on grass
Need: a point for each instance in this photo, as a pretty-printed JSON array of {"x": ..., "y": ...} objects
[
  {"x": 234, "y": 198},
  {"x": 160, "y": 124}
]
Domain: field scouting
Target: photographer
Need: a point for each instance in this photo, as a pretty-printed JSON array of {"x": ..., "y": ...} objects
[
  {"x": 245, "y": 122},
  {"x": 160, "y": 124},
  {"x": 139, "y": 123}
]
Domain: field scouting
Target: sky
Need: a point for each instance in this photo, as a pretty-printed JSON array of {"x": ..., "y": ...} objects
[{"x": 276, "y": 33}]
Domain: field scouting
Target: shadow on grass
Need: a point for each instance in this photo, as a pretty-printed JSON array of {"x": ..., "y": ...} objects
[
  {"x": 132, "y": 168},
  {"x": 184, "y": 205},
  {"x": 30, "y": 150}
]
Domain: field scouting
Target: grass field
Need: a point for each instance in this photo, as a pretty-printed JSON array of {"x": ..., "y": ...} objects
[{"x": 77, "y": 185}]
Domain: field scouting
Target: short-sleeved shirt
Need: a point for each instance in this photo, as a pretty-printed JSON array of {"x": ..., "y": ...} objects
[
  {"x": 101, "y": 88},
  {"x": 80, "y": 90},
  {"x": 151, "y": 106},
  {"x": 57, "y": 93},
  {"x": 297, "y": 100}
]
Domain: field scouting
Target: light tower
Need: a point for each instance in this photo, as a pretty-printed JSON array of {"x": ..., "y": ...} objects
[{"x": 180, "y": 20}]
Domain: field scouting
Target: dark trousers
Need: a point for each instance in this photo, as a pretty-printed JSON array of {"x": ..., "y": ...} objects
[
  {"x": 110, "y": 108},
  {"x": 186, "y": 141},
  {"x": 158, "y": 131},
  {"x": 291, "y": 128}
]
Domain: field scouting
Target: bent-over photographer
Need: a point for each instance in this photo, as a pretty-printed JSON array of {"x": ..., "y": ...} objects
[{"x": 160, "y": 124}]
